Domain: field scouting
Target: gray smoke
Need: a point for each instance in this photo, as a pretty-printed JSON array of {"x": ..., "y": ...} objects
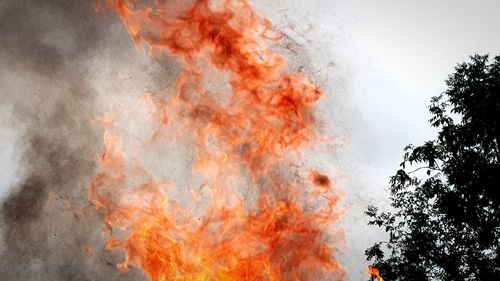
[
  {"x": 46, "y": 53},
  {"x": 61, "y": 66}
]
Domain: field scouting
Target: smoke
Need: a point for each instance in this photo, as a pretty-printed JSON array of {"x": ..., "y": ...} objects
[
  {"x": 47, "y": 53},
  {"x": 61, "y": 66}
]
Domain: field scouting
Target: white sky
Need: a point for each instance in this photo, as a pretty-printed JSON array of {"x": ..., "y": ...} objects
[{"x": 393, "y": 55}]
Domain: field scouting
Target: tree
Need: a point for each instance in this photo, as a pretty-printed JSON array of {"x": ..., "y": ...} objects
[{"x": 446, "y": 196}]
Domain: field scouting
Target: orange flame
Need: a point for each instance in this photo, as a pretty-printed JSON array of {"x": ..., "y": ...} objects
[
  {"x": 89, "y": 251},
  {"x": 375, "y": 273},
  {"x": 269, "y": 113}
]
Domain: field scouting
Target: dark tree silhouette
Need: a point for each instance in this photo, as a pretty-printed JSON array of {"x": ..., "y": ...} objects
[{"x": 446, "y": 196}]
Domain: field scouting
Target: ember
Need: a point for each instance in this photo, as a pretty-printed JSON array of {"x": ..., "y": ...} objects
[{"x": 320, "y": 180}]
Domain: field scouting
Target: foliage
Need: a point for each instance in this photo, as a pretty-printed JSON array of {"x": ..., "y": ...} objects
[{"x": 446, "y": 197}]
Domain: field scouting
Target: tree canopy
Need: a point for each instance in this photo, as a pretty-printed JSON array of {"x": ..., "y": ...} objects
[{"x": 445, "y": 223}]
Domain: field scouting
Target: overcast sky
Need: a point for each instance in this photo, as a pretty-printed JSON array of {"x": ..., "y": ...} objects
[{"x": 389, "y": 58}]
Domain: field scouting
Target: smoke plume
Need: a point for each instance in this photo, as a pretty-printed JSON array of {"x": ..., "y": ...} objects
[
  {"x": 47, "y": 51},
  {"x": 63, "y": 66}
]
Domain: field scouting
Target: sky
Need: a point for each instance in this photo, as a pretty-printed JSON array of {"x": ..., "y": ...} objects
[{"x": 380, "y": 62}]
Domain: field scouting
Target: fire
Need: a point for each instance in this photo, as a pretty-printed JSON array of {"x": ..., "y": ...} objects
[
  {"x": 89, "y": 251},
  {"x": 250, "y": 132},
  {"x": 375, "y": 273}
]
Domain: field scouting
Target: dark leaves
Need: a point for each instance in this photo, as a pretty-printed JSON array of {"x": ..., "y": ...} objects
[{"x": 374, "y": 252}]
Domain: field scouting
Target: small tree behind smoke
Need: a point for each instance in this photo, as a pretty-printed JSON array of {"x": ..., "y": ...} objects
[{"x": 446, "y": 223}]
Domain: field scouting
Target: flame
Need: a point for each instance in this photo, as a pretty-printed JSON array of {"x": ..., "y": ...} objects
[
  {"x": 250, "y": 133},
  {"x": 89, "y": 251},
  {"x": 375, "y": 273}
]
